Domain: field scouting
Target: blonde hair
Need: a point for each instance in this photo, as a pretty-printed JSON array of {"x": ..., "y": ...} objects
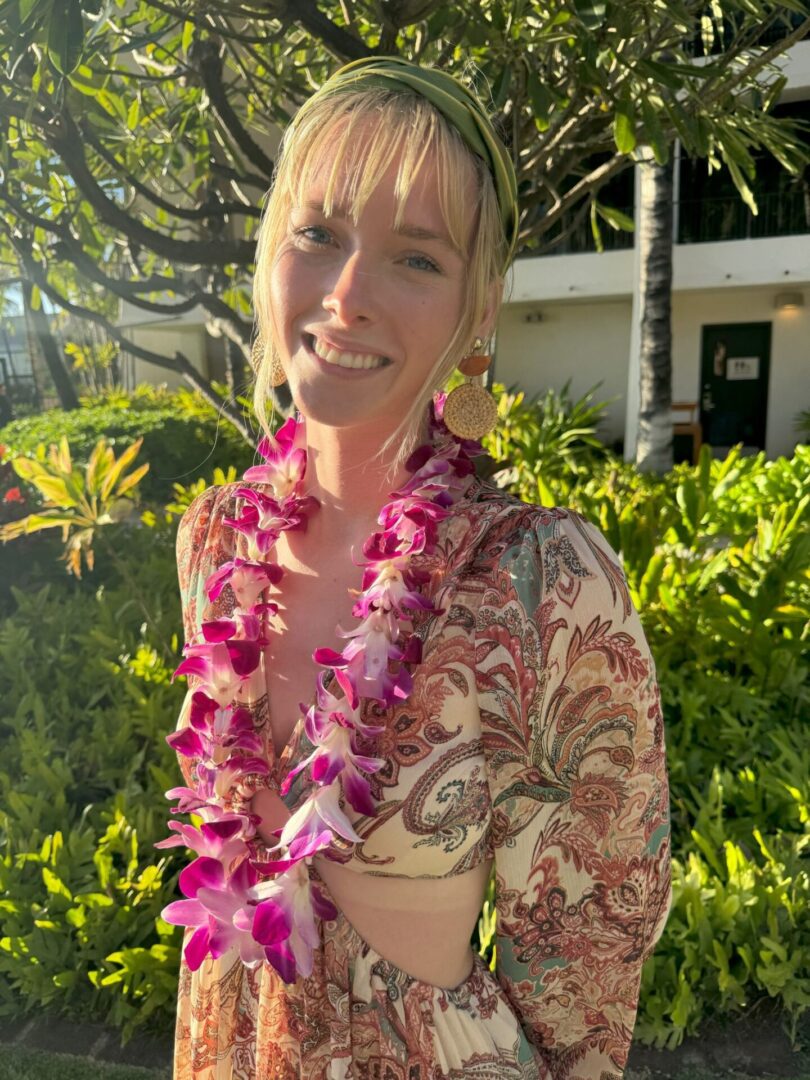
[{"x": 404, "y": 123}]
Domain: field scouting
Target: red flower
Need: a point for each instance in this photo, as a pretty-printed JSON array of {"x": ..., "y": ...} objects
[
  {"x": 13, "y": 495},
  {"x": 2, "y": 451}
]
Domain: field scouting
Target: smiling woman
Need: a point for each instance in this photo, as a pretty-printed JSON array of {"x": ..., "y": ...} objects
[{"x": 493, "y": 709}]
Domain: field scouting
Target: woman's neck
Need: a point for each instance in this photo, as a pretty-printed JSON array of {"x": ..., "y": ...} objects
[
  {"x": 345, "y": 470},
  {"x": 351, "y": 481}
]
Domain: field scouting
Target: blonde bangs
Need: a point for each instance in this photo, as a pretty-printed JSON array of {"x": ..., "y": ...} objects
[{"x": 365, "y": 131}]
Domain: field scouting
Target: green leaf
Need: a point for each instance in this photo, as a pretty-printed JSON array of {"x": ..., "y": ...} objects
[
  {"x": 188, "y": 35},
  {"x": 66, "y": 35},
  {"x": 133, "y": 113},
  {"x": 654, "y": 132},
  {"x": 615, "y": 217},
  {"x": 591, "y": 12},
  {"x": 624, "y": 133}
]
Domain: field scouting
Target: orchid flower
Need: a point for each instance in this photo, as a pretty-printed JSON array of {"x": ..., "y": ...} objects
[
  {"x": 229, "y": 902},
  {"x": 247, "y": 579}
]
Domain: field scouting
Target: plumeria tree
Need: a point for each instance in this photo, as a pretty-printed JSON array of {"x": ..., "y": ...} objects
[{"x": 137, "y": 138}]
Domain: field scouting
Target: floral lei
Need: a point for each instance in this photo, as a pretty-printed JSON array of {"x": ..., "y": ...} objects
[{"x": 266, "y": 908}]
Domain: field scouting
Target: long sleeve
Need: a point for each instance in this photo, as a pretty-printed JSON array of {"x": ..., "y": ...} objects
[
  {"x": 200, "y": 545},
  {"x": 573, "y": 737}
]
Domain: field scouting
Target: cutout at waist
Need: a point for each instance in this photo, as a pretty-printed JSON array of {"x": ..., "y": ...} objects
[{"x": 420, "y": 925}]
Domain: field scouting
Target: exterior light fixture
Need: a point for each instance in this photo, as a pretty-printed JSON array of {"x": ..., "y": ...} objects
[
  {"x": 788, "y": 301},
  {"x": 533, "y": 316}
]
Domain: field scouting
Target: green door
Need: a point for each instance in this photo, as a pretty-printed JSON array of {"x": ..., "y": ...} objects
[{"x": 734, "y": 371}]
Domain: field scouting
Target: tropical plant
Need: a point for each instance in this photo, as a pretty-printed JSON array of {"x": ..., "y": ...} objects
[
  {"x": 546, "y": 436},
  {"x": 80, "y": 503}
]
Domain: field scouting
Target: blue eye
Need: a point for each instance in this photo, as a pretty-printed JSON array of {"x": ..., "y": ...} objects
[
  {"x": 315, "y": 234},
  {"x": 424, "y": 263}
]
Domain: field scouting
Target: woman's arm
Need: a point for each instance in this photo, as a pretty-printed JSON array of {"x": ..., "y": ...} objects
[{"x": 575, "y": 754}]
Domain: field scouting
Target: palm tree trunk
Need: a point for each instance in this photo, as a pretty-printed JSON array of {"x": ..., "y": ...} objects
[{"x": 654, "y": 443}]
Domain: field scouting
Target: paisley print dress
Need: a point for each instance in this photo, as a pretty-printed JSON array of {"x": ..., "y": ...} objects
[{"x": 533, "y": 736}]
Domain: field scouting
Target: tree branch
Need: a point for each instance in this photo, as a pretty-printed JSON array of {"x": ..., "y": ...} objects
[
  {"x": 339, "y": 41},
  {"x": 66, "y": 141},
  {"x": 208, "y": 209},
  {"x": 211, "y": 70},
  {"x": 178, "y": 363}
]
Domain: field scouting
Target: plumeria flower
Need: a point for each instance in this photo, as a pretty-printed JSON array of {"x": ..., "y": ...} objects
[{"x": 247, "y": 579}]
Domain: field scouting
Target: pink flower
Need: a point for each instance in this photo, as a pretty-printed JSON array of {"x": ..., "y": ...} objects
[
  {"x": 221, "y": 909},
  {"x": 247, "y": 579},
  {"x": 291, "y": 900},
  {"x": 321, "y": 810},
  {"x": 285, "y": 457},
  {"x": 222, "y": 666},
  {"x": 335, "y": 755},
  {"x": 223, "y": 839},
  {"x": 213, "y": 728},
  {"x": 265, "y": 518}
]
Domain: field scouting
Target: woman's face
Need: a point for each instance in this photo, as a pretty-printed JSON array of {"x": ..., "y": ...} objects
[{"x": 363, "y": 311}]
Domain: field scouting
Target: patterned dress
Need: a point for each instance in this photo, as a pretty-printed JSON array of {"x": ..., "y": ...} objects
[{"x": 533, "y": 735}]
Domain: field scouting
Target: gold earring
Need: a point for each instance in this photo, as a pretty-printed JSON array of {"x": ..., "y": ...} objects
[
  {"x": 261, "y": 354},
  {"x": 470, "y": 411}
]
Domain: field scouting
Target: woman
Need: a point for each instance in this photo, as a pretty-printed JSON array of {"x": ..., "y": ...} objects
[{"x": 488, "y": 699}]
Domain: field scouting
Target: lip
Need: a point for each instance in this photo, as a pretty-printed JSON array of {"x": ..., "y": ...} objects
[{"x": 335, "y": 369}]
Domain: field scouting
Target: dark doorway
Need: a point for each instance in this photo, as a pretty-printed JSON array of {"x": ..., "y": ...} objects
[{"x": 734, "y": 374}]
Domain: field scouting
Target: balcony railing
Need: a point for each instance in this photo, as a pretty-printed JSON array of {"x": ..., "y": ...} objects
[
  {"x": 784, "y": 213},
  {"x": 708, "y": 220}
]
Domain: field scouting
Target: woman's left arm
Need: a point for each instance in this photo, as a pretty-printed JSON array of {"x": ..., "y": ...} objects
[{"x": 574, "y": 742}]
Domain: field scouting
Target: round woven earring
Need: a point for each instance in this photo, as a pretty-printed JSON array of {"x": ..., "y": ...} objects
[
  {"x": 470, "y": 411},
  {"x": 260, "y": 354}
]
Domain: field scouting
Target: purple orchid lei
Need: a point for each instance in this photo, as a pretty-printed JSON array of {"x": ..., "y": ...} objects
[{"x": 265, "y": 908}]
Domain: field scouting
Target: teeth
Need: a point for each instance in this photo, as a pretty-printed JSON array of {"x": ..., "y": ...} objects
[{"x": 346, "y": 360}]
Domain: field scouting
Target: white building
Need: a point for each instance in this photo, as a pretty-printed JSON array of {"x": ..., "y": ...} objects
[{"x": 740, "y": 303}]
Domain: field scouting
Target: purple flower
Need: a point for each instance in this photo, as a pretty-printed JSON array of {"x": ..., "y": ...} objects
[{"x": 247, "y": 579}]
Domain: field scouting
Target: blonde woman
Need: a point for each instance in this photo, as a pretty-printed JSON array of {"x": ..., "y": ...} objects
[{"x": 402, "y": 679}]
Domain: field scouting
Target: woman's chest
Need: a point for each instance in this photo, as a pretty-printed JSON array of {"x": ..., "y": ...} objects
[{"x": 308, "y": 616}]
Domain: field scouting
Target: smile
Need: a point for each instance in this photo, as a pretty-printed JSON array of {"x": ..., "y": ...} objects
[{"x": 356, "y": 361}]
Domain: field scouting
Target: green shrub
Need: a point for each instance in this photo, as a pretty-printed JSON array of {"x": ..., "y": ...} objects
[
  {"x": 85, "y": 704},
  {"x": 183, "y": 436}
]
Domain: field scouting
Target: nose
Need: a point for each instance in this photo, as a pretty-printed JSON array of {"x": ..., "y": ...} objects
[{"x": 351, "y": 298}]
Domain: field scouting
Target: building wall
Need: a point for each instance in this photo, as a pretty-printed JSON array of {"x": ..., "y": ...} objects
[
  {"x": 588, "y": 341},
  {"x": 167, "y": 339},
  {"x": 585, "y": 341}
]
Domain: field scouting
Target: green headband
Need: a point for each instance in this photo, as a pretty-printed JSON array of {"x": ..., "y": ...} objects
[{"x": 460, "y": 108}]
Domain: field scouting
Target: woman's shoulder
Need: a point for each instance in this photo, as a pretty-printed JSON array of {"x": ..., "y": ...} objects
[
  {"x": 201, "y": 523},
  {"x": 507, "y": 517},
  {"x": 544, "y": 549}
]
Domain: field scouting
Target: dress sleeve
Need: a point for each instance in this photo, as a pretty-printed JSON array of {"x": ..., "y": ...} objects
[
  {"x": 197, "y": 544},
  {"x": 573, "y": 737}
]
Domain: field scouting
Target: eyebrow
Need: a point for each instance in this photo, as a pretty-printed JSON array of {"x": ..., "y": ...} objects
[{"x": 413, "y": 232}]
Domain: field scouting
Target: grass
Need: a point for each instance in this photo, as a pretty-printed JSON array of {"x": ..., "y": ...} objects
[{"x": 18, "y": 1063}]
